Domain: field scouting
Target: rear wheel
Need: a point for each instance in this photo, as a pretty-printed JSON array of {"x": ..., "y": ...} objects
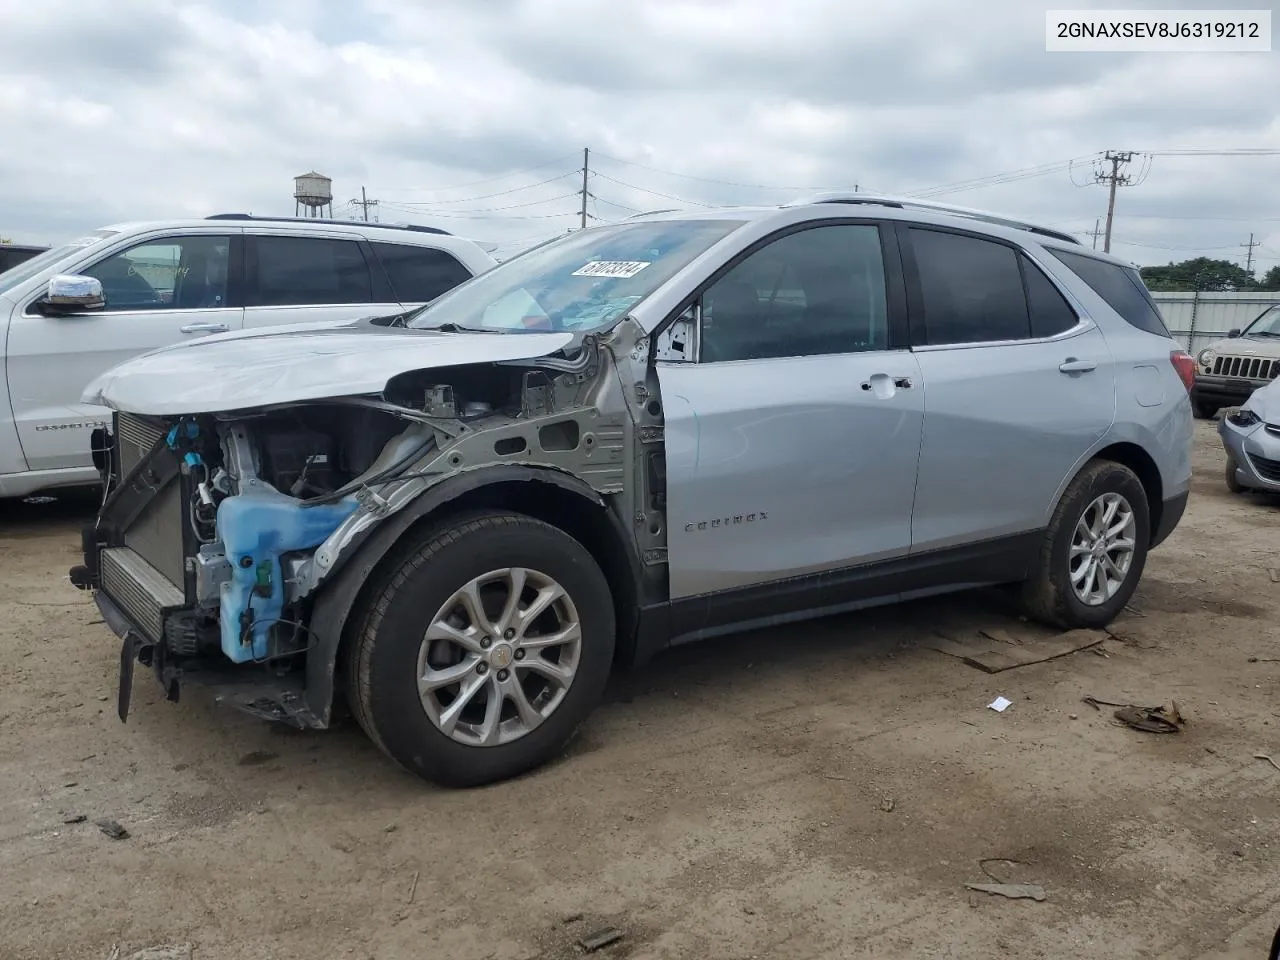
[
  {"x": 1094, "y": 551},
  {"x": 485, "y": 651},
  {"x": 1204, "y": 410}
]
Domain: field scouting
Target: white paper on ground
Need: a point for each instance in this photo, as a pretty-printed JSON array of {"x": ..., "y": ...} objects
[{"x": 1000, "y": 704}]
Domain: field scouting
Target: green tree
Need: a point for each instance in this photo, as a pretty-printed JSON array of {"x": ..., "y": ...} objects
[
  {"x": 1270, "y": 280},
  {"x": 1199, "y": 273}
]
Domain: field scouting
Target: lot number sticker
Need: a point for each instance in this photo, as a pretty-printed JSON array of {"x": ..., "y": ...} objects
[{"x": 619, "y": 269}]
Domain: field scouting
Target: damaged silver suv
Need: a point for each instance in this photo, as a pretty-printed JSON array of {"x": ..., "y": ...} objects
[{"x": 682, "y": 425}]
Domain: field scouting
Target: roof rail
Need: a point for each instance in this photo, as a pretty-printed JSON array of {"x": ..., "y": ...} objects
[
  {"x": 904, "y": 203},
  {"x": 653, "y": 213},
  {"x": 415, "y": 227}
]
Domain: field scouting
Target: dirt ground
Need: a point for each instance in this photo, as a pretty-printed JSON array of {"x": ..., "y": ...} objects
[{"x": 824, "y": 790}]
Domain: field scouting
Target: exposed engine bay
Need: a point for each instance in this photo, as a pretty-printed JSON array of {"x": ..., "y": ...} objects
[{"x": 218, "y": 530}]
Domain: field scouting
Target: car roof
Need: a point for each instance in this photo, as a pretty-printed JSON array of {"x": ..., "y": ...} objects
[
  {"x": 833, "y": 206},
  {"x": 415, "y": 234}
]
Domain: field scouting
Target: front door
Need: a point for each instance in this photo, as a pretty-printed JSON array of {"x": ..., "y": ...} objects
[
  {"x": 791, "y": 442},
  {"x": 158, "y": 292},
  {"x": 1020, "y": 388}
]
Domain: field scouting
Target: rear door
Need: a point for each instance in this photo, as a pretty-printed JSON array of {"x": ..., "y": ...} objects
[
  {"x": 1020, "y": 387},
  {"x": 791, "y": 442},
  {"x": 297, "y": 279},
  {"x": 158, "y": 291}
]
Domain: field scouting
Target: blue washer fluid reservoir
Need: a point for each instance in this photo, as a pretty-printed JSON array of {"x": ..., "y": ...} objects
[{"x": 256, "y": 526}]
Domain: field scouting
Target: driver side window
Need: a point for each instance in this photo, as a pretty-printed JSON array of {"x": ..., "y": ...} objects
[
  {"x": 815, "y": 292},
  {"x": 173, "y": 273}
]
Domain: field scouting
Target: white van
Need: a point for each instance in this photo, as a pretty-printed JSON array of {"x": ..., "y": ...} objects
[{"x": 77, "y": 310}]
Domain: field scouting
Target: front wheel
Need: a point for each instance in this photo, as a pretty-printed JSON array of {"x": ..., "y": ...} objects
[
  {"x": 1094, "y": 550},
  {"x": 1233, "y": 482},
  {"x": 485, "y": 651}
]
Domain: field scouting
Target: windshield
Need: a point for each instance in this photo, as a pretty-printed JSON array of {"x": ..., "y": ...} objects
[
  {"x": 1267, "y": 325},
  {"x": 585, "y": 281},
  {"x": 29, "y": 268}
]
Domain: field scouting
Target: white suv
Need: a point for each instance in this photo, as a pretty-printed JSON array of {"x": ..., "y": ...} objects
[{"x": 77, "y": 310}]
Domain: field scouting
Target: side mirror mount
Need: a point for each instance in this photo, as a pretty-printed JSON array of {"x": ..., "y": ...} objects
[
  {"x": 680, "y": 340},
  {"x": 72, "y": 293},
  {"x": 1233, "y": 332}
]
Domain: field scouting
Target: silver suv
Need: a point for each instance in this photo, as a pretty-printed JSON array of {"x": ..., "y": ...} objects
[
  {"x": 641, "y": 434},
  {"x": 1228, "y": 371}
]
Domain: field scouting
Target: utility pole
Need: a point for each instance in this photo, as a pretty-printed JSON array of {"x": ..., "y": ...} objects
[
  {"x": 1248, "y": 259},
  {"x": 364, "y": 203},
  {"x": 1096, "y": 232},
  {"x": 586, "y": 162},
  {"x": 1114, "y": 178}
]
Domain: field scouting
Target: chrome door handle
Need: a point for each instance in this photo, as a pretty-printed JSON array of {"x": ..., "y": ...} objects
[
  {"x": 205, "y": 328},
  {"x": 1072, "y": 365}
]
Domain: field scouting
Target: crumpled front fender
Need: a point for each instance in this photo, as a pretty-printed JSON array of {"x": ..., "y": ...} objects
[{"x": 337, "y": 597}]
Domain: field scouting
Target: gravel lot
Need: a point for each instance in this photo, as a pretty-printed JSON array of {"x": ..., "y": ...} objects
[{"x": 822, "y": 790}]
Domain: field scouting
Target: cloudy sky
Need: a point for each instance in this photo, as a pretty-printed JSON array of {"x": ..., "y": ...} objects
[{"x": 472, "y": 114}]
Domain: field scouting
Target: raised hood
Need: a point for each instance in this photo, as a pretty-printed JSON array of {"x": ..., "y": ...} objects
[{"x": 284, "y": 364}]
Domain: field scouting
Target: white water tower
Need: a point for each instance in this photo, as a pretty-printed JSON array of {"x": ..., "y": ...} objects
[{"x": 312, "y": 192}]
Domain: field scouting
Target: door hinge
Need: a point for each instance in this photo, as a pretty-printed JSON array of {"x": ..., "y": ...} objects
[
  {"x": 651, "y": 434},
  {"x": 657, "y": 555}
]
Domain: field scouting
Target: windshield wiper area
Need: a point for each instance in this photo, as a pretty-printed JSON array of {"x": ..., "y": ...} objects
[{"x": 450, "y": 327}]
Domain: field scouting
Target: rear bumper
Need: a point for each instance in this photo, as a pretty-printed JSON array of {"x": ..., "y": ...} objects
[{"x": 1170, "y": 516}]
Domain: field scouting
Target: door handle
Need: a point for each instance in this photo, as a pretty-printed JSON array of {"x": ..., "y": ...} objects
[
  {"x": 205, "y": 328},
  {"x": 901, "y": 383},
  {"x": 1072, "y": 365}
]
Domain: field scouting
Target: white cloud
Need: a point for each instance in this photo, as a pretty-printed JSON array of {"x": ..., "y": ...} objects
[{"x": 155, "y": 108}]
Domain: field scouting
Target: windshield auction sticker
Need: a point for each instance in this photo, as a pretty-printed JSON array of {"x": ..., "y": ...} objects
[{"x": 617, "y": 269}]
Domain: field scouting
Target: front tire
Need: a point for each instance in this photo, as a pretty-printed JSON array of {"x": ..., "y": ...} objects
[
  {"x": 1233, "y": 483},
  {"x": 484, "y": 651},
  {"x": 1094, "y": 550}
]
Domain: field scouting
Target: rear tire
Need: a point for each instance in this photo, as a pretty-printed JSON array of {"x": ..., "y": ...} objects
[
  {"x": 1085, "y": 535},
  {"x": 1204, "y": 410},
  {"x": 401, "y": 684}
]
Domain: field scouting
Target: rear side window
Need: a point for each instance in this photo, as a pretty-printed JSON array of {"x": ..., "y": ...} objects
[
  {"x": 1121, "y": 287},
  {"x": 299, "y": 271},
  {"x": 419, "y": 274},
  {"x": 1050, "y": 312},
  {"x": 972, "y": 289}
]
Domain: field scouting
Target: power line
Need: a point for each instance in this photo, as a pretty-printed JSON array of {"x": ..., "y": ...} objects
[
  {"x": 476, "y": 183},
  {"x": 1239, "y": 152},
  {"x": 1025, "y": 173},
  {"x": 688, "y": 176},
  {"x": 656, "y": 193},
  {"x": 459, "y": 215},
  {"x": 614, "y": 203},
  {"x": 488, "y": 196},
  {"x": 1153, "y": 246},
  {"x": 508, "y": 206}
]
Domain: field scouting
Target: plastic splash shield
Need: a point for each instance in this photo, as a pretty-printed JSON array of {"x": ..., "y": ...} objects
[{"x": 257, "y": 527}]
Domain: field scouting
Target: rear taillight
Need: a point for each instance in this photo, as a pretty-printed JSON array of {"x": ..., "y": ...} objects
[{"x": 1185, "y": 364}]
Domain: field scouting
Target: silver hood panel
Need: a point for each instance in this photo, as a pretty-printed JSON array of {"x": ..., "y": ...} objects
[{"x": 285, "y": 364}]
